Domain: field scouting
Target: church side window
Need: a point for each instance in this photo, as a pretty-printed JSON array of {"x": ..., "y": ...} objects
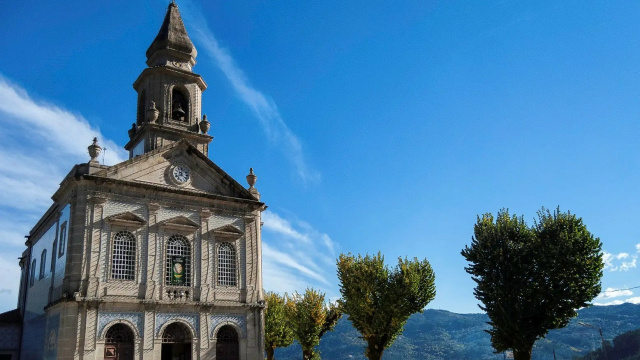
[
  {"x": 43, "y": 263},
  {"x": 226, "y": 265},
  {"x": 178, "y": 266},
  {"x": 62, "y": 243},
  {"x": 123, "y": 258},
  {"x": 32, "y": 277}
]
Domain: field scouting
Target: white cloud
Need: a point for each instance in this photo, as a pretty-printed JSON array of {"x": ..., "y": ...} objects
[
  {"x": 619, "y": 262},
  {"x": 296, "y": 256},
  {"x": 39, "y": 144},
  {"x": 279, "y": 225},
  {"x": 263, "y": 108},
  {"x": 10, "y": 281},
  {"x": 633, "y": 300},
  {"x": 638, "y": 247},
  {"x": 611, "y": 293}
]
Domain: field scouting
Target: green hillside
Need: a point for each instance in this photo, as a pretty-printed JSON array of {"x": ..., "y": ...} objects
[{"x": 439, "y": 334}]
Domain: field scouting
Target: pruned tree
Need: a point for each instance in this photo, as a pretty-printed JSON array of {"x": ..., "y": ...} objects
[
  {"x": 310, "y": 318},
  {"x": 277, "y": 332},
  {"x": 532, "y": 279},
  {"x": 379, "y": 300}
]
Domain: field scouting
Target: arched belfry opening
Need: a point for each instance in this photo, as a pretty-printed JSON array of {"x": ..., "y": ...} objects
[
  {"x": 176, "y": 342},
  {"x": 179, "y": 105},
  {"x": 227, "y": 346},
  {"x": 118, "y": 344}
]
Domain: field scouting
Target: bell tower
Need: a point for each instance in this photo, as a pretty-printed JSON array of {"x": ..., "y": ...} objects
[{"x": 169, "y": 93}]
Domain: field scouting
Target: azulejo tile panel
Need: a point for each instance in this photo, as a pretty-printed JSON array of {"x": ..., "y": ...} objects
[
  {"x": 163, "y": 318},
  {"x": 136, "y": 318},
  {"x": 239, "y": 320}
]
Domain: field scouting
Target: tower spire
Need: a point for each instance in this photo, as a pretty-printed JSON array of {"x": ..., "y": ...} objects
[{"x": 172, "y": 45}]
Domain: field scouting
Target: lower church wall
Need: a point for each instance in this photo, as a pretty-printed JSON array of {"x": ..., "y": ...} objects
[{"x": 34, "y": 338}]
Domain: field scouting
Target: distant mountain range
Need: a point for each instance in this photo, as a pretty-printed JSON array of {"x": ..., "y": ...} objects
[{"x": 440, "y": 334}]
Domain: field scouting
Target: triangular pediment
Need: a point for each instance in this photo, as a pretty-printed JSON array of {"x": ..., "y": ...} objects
[
  {"x": 227, "y": 231},
  {"x": 126, "y": 219},
  {"x": 158, "y": 167},
  {"x": 180, "y": 223}
]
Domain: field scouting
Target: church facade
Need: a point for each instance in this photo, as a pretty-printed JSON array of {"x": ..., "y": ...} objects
[{"x": 157, "y": 257}]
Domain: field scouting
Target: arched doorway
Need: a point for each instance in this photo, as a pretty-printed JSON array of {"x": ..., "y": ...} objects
[
  {"x": 227, "y": 347},
  {"x": 118, "y": 344},
  {"x": 176, "y": 342}
]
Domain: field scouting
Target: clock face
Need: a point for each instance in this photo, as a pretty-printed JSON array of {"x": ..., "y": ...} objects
[{"x": 181, "y": 173}]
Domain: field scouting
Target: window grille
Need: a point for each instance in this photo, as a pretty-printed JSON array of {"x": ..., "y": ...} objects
[
  {"x": 178, "y": 246},
  {"x": 123, "y": 258},
  {"x": 32, "y": 278},
  {"x": 63, "y": 239},
  {"x": 176, "y": 333},
  {"x": 43, "y": 262},
  {"x": 119, "y": 333},
  {"x": 227, "y": 334},
  {"x": 226, "y": 265}
]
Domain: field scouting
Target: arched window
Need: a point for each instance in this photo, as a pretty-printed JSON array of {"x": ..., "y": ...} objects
[
  {"x": 119, "y": 343},
  {"x": 227, "y": 347},
  {"x": 62, "y": 239},
  {"x": 179, "y": 105},
  {"x": 43, "y": 263},
  {"x": 123, "y": 256},
  {"x": 32, "y": 277},
  {"x": 226, "y": 265},
  {"x": 178, "y": 265}
]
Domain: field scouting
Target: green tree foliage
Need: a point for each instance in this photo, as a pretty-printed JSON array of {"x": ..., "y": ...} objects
[
  {"x": 310, "y": 318},
  {"x": 532, "y": 279},
  {"x": 379, "y": 300},
  {"x": 277, "y": 332},
  {"x": 625, "y": 347}
]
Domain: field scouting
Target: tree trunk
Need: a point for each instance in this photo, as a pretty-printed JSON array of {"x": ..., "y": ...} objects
[
  {"x": 522, "y": 354},
  {"x": 307, "y": 354},
  {"x": 270, "y": 352},
  {"x": 373, "y": 351}
]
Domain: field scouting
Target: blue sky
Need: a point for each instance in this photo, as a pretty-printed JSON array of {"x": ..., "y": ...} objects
[{"x": 372, "y": 126}]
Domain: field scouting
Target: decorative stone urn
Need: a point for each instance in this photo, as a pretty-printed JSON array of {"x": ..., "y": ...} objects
[
  {"x": 94, "y": 150},
  {"x": 133, "y": 130},
  {"x": 204, "y": 124},
  {"x": 152, "y": 113},
  {"x": 251, "y": 178}
]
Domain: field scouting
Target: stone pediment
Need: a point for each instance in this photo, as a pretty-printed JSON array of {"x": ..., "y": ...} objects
[
  {"x": 228, "y": 231},
  {"x": 126, "y": 219},
  {"x": 159, "y": 167},
  {"x": 180, "y": 223}
]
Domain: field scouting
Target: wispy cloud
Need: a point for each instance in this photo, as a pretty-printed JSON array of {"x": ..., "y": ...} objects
[
  {"x": 633, "y": 300},
  {"x": 39, "y": 144},
  {"x": 611, "y": 293},
  {"x": 262, "y": 106},
  {"x": 296, "y": 256},
  {"x": 622, "y": 261}
]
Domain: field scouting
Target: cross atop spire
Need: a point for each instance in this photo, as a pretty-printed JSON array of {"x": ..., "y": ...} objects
[{"x": 172, "y": 44}]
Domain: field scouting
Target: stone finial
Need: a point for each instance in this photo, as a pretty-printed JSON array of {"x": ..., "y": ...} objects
[
  {"x": 133, "y": 130},
  {"x": 94, "y": 150},
  {"x": 152, "y": 113},
  {"x": 251, "y": 178},
  {"x": 204, "y": 124}
]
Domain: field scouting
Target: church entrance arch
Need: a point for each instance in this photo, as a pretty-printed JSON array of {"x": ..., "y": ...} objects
[
  {"x": 176, "y": 342},
  {"x": 118, "y": 344},
  {"x": 227, "y": 347}
]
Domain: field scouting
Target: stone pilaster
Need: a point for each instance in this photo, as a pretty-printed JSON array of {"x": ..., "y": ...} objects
[
  {"x": 152, "y": 253},
  {"x": 95, "y": 239}
]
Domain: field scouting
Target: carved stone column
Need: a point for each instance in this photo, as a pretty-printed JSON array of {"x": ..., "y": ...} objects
[
  {"x": 205, "y": 259},
  {"x": 95, "y": 239},
  {"x": 152, "y": 254}
]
